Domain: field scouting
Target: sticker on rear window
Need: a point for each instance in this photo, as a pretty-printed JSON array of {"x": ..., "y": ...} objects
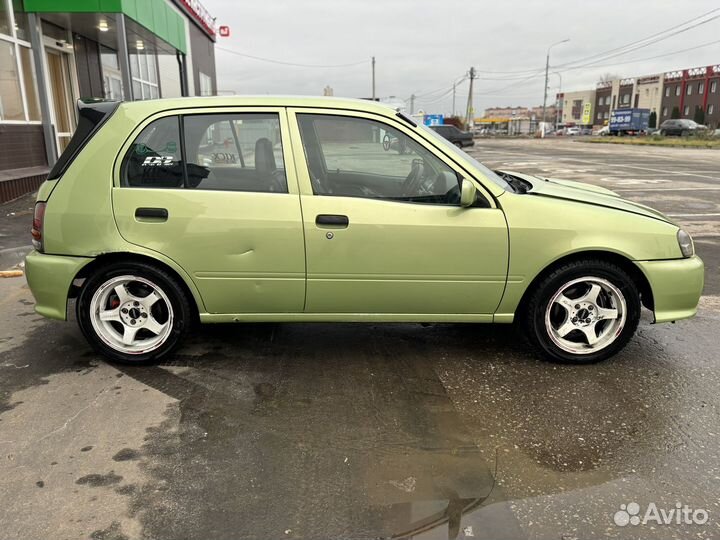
[{"x": 158, "y": 161}]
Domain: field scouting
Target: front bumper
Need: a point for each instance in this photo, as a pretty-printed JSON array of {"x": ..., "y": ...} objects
[
  {"x": 676, "y": 286},
  {"x": 49, "y": 278}
]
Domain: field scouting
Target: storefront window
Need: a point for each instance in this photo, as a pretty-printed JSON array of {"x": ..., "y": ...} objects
[
  {"x": 144, "y": 76},
  {"x": 11, "y": 106},
  {"x": 21, "y": 21},
  {"x": 4, "y": 19},
  {"x": 112, "y": 79},
  {"x": 31, "y": 92}
]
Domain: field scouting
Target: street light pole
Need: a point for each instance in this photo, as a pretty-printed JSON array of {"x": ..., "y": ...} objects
[
  {"x": 547, "y": 68},
  {"x": 373, "y": 78}
]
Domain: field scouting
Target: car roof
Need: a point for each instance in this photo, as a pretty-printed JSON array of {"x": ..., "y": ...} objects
[{"x": 157, "y": 105}]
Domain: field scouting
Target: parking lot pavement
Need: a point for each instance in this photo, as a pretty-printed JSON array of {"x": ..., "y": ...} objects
[
  {"x": 682, "y": 183},
  {"x": 370, "y": 431}
]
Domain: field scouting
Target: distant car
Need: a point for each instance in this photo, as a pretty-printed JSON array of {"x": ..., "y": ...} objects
[
  {"x": 603, "y": 131},
  {"x": 573, "y": 131},
  {"x": 585, "y": 131},
  {"x": 454, "y": 135},
  {"x": 681, "y": 127}
]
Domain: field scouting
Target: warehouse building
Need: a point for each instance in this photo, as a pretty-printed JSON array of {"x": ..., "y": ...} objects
[{"x": 53, "y": 52}]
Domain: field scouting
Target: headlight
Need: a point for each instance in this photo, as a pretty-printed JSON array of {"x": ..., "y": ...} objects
[{"x": 686, "y": 244}]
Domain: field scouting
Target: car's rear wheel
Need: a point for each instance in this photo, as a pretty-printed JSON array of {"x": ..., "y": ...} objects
[
  {"x": 133, "y": 312},
  {"x": 583, "y": 312},
  {"x": 458, "y": 144}
]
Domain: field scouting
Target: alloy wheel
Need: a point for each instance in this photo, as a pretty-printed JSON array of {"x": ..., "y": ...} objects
[
  {"x": 585, "y": 315},
  {"x": 131, "y": 314}
]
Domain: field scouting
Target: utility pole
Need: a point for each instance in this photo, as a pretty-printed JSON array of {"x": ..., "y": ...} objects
[
  {"x": 453, "y": 110},
  {"x": 469, "y": 113},
  {"x": 373, "y": 78},
  {"x": 412, "y": 104}
]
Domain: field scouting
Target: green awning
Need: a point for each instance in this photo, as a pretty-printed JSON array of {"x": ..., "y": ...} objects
[{"x": 157, "y": 16}]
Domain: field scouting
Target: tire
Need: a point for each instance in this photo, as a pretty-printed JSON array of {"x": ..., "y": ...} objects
[
  {"x": 562, "y": 334},
  {"x": 137, "y": 327}
]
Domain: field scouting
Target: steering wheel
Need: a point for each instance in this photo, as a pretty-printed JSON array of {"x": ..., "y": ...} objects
[
  {"x": 386, "y": 142},
  {"x": 412, "y": 182}
]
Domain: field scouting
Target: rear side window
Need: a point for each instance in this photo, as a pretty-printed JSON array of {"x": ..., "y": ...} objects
[
  {"x": 234, "y": 152},
  {"x": 223, "y": 152},
  {"x": 155, "y": 158}
]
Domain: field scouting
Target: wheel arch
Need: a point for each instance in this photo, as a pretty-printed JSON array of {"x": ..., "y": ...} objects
[
  {"x": 626, "y": 264},
  {"x": 105, "y": 259}
]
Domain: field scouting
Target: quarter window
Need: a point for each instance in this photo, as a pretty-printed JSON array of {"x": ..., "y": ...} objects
[
  {"x": 155, "y": 159},
  {"x": 357, "y": 157}
]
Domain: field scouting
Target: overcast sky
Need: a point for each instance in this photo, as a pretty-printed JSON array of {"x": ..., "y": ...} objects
[{"x": 422, "y": 46}]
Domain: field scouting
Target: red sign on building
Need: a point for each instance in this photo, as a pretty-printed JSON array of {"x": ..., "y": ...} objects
[{"x": 224, "y": 31}]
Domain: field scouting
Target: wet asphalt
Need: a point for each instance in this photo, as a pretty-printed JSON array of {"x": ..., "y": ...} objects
[{"x": 374, "y": 431}]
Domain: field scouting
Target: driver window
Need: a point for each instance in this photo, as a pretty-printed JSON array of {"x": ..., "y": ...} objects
[{"x": 357, "y": 157}]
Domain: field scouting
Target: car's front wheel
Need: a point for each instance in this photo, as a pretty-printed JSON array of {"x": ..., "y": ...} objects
[
  {"x": 133, "y": 312},
  {"x": 583, "y": 312}
]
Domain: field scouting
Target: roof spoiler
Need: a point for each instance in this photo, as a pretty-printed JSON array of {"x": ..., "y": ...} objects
[{"x": 92, "y": 114}]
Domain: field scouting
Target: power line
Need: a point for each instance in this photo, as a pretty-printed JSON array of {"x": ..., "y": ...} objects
[
  {"x": 645, "y": 42},
  {"x": 281, "y": 62},
  {"x": 605, "y": 55}
]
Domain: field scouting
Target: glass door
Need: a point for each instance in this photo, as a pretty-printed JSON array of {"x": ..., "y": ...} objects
[{"x": 61, "y": 93}]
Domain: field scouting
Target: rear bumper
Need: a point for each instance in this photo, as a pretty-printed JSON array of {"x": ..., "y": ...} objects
[
  {"x": 49, "y": 278},
  {"x": 676, "y": 286}
]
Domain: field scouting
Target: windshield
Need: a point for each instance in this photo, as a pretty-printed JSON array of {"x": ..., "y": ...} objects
[{"x": 455, "y": 151}]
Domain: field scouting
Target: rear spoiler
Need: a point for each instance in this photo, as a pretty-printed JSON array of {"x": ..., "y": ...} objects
[{"x": 92, "y": 114}]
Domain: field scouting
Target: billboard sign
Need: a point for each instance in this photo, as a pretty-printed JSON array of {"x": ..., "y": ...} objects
[{"x": 433, "y": 119}]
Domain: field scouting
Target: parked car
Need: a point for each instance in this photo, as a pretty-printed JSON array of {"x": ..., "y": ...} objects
[
  {"x": 570, "y": 131},
  {"x": 238, "y": 209},
  {"x": 459, "y": 138},
  {"x": 603, "y": 131},
  {"x": 681, "y": 127}
]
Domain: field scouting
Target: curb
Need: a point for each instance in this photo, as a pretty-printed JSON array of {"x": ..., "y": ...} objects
[{"x": 13, "y": 256}]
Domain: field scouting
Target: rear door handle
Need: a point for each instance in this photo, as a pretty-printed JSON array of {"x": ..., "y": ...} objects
[
  {"x": 151, "y": 214},
  {"x": 332, "y": 220}
]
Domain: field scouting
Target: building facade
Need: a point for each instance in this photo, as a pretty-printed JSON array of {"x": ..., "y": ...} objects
[
  {"x": 577, "y": 108},
  {"x": 54, "y": 52},
  {"x": 693, "y": 93}
]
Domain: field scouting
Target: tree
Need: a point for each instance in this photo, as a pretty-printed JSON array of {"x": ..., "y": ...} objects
[
  {"x": 699, "y": 115},
  {"x": 652, "y": 121},
  {"x": 675, "y": 113}
]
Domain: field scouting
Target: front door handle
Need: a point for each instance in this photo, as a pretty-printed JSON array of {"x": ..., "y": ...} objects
[
  {"x": 332, "y": 220},
  {"x": 151, "y": 214}
]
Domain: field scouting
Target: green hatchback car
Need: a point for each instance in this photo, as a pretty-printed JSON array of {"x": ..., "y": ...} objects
[{"x": 236, "y": 209}]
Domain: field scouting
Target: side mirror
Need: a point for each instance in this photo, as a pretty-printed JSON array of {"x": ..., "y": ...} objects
[{"x": 468, "y": 193}]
